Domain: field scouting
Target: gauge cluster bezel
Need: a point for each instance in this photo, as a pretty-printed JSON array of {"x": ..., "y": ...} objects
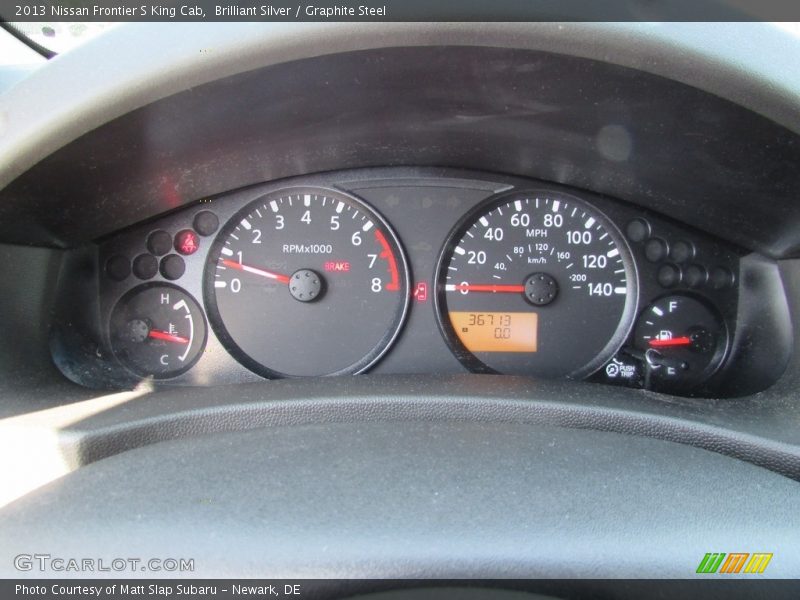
[{"x": 422, "y": 206}]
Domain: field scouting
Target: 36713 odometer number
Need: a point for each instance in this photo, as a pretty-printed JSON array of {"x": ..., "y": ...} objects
[{"x": 547, "y": 255}]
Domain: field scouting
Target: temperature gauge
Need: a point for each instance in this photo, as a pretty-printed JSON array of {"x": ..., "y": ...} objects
[
  {"x": 157, "y": 330},
  {"x": 683, "y": 341}
]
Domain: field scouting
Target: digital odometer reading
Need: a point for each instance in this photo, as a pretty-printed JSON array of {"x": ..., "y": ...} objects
[
  {"x": 496, "y": 332},
  {"x": 305, "y": 282},
  {"x": 558, "y": 271}
]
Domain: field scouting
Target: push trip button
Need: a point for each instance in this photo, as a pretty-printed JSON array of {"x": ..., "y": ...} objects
[{"x": 623, "y": 370}]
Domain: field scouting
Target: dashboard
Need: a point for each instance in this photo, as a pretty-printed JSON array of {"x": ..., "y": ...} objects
[{"x": 411, "y": 270}]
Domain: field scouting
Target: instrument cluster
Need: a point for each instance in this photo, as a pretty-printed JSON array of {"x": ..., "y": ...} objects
[{"x": 406, "y": 271}]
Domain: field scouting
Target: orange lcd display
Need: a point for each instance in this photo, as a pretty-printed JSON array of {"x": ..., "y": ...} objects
[{"x": 496, "y": 331}]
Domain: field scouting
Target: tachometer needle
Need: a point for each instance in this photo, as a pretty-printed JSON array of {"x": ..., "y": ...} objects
[
  {"x": 167, "y": 337},
  {"x": 678, "y": 341},
  {"x": 268, "y": 274},
  {"x": 474, "y": 287}
]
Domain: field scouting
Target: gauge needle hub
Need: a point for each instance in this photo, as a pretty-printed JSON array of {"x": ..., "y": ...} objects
[
  {"x": 167, "y": 337},
  {"x": 261, "y": 272},
  {"x": 666, "y": 343}
]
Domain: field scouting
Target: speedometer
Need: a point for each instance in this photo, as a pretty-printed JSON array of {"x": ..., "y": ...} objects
[
  {"x": 306, "y": 281},
  {"x": 536, "y": 283}
]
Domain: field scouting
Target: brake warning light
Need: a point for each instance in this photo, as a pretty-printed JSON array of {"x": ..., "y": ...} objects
[{"x": 337, "y": 266}]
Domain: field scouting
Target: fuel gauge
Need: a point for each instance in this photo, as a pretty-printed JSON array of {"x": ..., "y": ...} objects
[
  {"x": 683, "y": 341},
  {"x": 157, "y": 330}
]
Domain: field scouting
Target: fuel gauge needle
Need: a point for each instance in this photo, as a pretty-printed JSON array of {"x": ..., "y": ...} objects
[
  {"x": 678, "y": 341},
  {"x": 167, "y": 337},
  {"x": 261, "y": 272}
]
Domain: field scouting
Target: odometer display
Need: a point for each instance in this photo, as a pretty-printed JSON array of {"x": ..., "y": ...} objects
[
  {"x": 306, "y": 282},
  {"x": 496, "y": 332},
  {"x": 536, "y": 283}
]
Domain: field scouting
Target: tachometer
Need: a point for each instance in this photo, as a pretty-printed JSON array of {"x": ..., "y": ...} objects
[
  {"x": 306, "y": 281},
  {"x": 536, "y": 283}
]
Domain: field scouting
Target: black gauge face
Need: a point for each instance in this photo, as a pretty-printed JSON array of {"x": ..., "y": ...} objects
[
  {"x": 683, "y": 339},
  {"x": 306, "y": 281},
  {"x": 157, "y": 330},
  {"x": 536, "y": 283}
]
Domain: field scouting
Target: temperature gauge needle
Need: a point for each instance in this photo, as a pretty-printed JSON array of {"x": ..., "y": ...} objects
[
  {"x": 167, "y": 337},
  {"x": 476, "y": 287},
  {"x": 268, "y": 274},
  {"x": 678, "y": 341}
]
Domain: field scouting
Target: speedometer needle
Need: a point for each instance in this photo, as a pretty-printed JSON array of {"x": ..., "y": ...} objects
[
  {"x": 474, "y": 287},
  {"x": 268, "y": 274},
  {"x": 167, "y": 337},
  {"x": 678, "y": 341}
]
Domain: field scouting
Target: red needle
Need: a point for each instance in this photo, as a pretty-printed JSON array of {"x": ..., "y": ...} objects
[
  {"x": 473, "y": 287},
  {"x": 678, "y": 341},
  {"x": 268, "y": 274},
  {"x": 167, "y": 337}
]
